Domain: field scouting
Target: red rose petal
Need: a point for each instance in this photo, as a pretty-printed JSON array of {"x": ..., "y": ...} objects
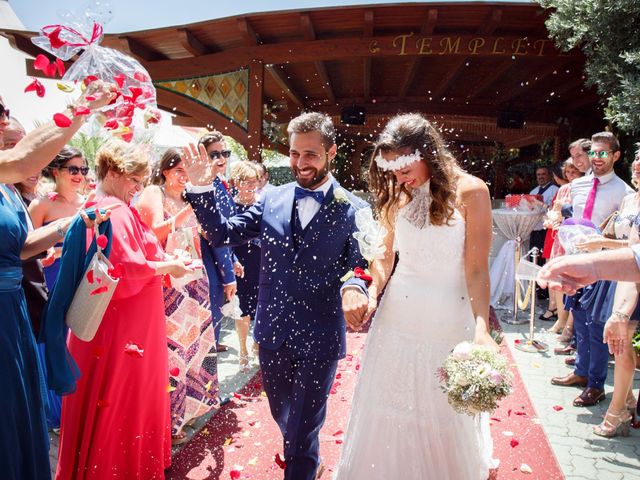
[
  {"x": 81, "y": 110},
  {"x": 234, "y": 474},
  {"x": 50, "y": 71},
  {"x": 514, "y": 443},
  {"x": 127, "y": 137},
  {"x": 338, "y": 376},
  {"x": 90, "y": 204},
  {"x": 90, "y": 276},
  {"x": 337, "y": 433},
  {"x": 133, "y": 350},
  {"x": 89, "y": 78},
  {"x": 102, "y": 241},
  {"x": 279, "y": 461},
  {"x": 41, "y": 62},
  {"x": 558, "y": 408},
  {"x": 509, "y": 412},
  {"x": 237, "y": 395},
  {"x": 99, "y": 290},
  {"x": 339, "y": 442},
  {"x": 174, "y": 372},
  {"x": 90, "y": 98},
  {"x": 61, "y": 120},
  {"x": 60, "y": 67},
  {"x": 119, "y": 79},
  {"x": 54, "y": 38},
  {"x": 520, "y": 413},
  {"x": 35, "y": 86},
  {"x": 111, "y": 124},
  {"x": 495, "y": 419},
  {"x": 141, "y": 76},
  {"x": 117, "y": 271}
]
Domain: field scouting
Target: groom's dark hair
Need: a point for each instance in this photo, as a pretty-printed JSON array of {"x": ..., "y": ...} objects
[{"x": 314, "y": 122}]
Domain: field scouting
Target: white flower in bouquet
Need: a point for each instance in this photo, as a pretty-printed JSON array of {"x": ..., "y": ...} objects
[
  {"x": 475, "y": 378},
  {"x": 370, "y": 235}
]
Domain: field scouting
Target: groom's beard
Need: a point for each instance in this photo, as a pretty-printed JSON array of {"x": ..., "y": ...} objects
[{"x": 312, "y": 182}]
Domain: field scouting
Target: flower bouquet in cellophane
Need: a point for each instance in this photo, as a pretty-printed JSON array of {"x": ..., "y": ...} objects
[{"x": 475, "y": 378}]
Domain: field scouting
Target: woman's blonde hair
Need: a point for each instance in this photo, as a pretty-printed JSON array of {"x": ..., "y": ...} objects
[
  {"x": 118, "y": 156},
  {"x": 244, "y": 170},
  {"x": 414, "y": 132}
]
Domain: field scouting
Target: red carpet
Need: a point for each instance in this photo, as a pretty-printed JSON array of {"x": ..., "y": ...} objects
[{"x": 241, "y": 441}]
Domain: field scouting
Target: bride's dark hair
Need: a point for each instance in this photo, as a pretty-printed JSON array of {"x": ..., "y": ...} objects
[{"x": 415, "y": 132}]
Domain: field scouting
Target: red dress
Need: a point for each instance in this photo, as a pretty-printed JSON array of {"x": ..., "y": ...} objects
[{"x": 117, "y": 422}]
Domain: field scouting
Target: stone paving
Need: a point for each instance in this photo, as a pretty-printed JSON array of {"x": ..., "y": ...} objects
[{"x": 581, "y": 454}]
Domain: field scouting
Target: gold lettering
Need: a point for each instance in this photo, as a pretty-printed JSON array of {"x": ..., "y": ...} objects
[
  {"x": 518, "y": 47},
  {"x": 448, "y": 47},
  {"x": 475, "y": 44},
  {"x": 542, "y": 45},
  {"x": 404, "y": 42},
  {"x": 373, "y": 46},
  {"x": 424, "y": 47},
  {"x": 495, "y": 50}
]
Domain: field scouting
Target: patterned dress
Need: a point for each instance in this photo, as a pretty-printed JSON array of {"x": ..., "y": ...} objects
[{"x": 193, "y": 366}]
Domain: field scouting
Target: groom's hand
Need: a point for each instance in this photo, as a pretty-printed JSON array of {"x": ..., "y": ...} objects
[
  {"x": 199, "y": 167},
  {"x": 354, "y": 305}
]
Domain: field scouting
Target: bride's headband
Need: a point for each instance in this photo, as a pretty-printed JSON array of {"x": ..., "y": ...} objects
[{"x": 399, "y": 163}]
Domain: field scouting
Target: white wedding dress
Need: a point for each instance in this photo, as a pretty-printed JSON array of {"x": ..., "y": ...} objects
[{"x": 401, "y": 425}]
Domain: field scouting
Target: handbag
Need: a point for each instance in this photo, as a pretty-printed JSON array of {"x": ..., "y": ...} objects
[
  {"x": 92, "y": 296},
  {"x": 608, "y": 227},
  {"x": 183, "y": 243}
]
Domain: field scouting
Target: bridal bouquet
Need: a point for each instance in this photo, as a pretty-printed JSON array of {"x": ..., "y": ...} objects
[{"x": 475, "y": 378}]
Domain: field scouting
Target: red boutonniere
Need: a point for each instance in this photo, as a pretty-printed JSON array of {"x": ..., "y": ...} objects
[{"x": 362, "y": 275}]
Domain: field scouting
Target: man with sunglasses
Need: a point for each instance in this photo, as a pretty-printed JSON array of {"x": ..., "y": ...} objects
[
  {"x": 220, "y": 262},
  {"x": 594, "y": 197}
]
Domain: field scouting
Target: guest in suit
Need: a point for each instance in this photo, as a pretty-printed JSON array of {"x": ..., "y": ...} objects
[
  {"x": 594, "y": 197},
  {"x": 306, "y": 234},
  {"x": 219, "y": 262}
]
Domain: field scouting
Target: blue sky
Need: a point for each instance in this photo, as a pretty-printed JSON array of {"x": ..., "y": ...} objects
[{"x": 131, "y": 15}]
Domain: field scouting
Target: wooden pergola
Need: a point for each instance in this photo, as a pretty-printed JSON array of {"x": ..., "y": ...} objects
[{"x": 463, "y": 64}]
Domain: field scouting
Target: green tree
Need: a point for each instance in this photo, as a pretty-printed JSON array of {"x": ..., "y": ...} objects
[{"x": 607, "y": 33}]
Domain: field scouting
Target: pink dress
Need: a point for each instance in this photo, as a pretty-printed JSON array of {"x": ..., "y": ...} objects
[{"x": 117, "y": 424}]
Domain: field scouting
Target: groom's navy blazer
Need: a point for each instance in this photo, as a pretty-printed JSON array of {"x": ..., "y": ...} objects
[{"x": 299, "y": 301}]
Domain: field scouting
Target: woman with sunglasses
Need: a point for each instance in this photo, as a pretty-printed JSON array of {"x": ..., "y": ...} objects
[{"x": 66, "y": 170}]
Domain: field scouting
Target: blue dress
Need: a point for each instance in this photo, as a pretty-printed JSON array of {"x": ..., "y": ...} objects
[
  {"x": 24, "y": 442},
  {"x": 249, "y": 256}
]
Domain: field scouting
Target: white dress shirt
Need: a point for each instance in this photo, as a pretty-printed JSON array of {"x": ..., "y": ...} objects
[
  {"x": 636, "y": 253},
  {"x": 611, "y": 190},
  {"x": 547, "y": 198},
  {"x": 308, "y": 206}
]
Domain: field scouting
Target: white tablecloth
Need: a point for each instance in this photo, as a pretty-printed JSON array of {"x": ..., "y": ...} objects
[{"x": 512, "y": 224}]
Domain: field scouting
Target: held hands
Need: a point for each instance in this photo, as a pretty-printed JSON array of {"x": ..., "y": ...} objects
[
  {"x": 230, "y": 291},
  {"x": 238, "y": 269},
  {"x": 356, "y": 306},
  {"x": 199, "y": 166}
]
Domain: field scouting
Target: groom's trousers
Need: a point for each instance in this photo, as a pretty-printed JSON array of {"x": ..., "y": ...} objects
[{"x": 298, "y": 389}]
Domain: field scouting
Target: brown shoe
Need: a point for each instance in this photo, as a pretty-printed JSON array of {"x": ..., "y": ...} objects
[
  {"x": 571, "y": 361},
  {"x": 568, "y": 350},
  {"x": 589, "y": 397},
  {"x": 570, "y": 380}
]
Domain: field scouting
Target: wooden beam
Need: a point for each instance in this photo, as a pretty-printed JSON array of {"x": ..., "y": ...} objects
[
  {"x": 525, "y": 76},
  {"x": 368, "y": 23},
  {"x": 256, "y": 92},
  {"x": 191, "y": 43},
  {"x": 140, "y": 51},
  {"x": 277, "y": 74},
  {"x": 587, "y": 99},
  {"x": 24, "y": 44},
  {"x": 485, "y": 83},
  {"x": 366, "y": 66},
  {"x": 310, "y": 34},
  {"x": 486, "y": 28},
  {"x": 248, "y": 33},
  {"x": 427, "y": 29}
]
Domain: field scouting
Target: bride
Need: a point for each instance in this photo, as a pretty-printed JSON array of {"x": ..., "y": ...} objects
[{"x": 438, "y": 219}]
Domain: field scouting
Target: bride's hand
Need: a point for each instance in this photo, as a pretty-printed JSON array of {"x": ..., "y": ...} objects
[
  {"x": 486, "y": 340},
  {"x": 371, "y": 307}
]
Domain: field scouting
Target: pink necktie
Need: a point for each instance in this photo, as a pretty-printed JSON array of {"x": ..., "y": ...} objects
[{"x": 591, "y": 200}]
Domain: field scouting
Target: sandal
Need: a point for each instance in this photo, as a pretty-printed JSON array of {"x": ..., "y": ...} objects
[
  {"x": 614, "y": 424},
  {"x": 179, "y": 438},
  {"x": 549, "y": 315},
  {"x": 244, "y": 363}
]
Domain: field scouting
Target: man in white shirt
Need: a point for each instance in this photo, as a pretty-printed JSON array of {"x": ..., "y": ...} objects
[
  {"x": 594, "y": 198},
  {"x": 548, "y": 190}
]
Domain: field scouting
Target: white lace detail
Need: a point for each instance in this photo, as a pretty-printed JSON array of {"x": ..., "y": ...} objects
[
  {"x": 416, "y": 212},
  {"x": 400, "y": 162}
]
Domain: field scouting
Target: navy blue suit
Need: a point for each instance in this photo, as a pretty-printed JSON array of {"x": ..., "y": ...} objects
[
  {"x": 299, "y": 323},
  {"x": 218, "y": 261}
]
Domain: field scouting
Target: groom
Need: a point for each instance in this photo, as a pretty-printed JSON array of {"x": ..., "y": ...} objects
[{"x": 306, "y": 234}]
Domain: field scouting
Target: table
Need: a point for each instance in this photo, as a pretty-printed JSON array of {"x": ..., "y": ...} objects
[{"x": 516, "y": 226}]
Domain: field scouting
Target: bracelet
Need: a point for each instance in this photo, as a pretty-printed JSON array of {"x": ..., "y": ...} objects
[{"x": 621, "y": 315}]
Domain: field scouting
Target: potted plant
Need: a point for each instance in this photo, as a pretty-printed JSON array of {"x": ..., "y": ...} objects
[{"x": 636, "y": 346}]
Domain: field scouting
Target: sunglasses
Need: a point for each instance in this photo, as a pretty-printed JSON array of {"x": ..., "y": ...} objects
[
  {"x": 602, "y": 154},
  {"x": 4, "y": 112},
  {"x": 215, "y": 154},
  {"x": 73, "y": 170}
]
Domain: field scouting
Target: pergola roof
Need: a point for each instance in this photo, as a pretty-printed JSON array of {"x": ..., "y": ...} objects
[{"x": 460, "y": 63}]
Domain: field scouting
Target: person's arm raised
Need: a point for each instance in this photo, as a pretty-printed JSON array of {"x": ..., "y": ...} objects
[{"x": 37, "y": 148}]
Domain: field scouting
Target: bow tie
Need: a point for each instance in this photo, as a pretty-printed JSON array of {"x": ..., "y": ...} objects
[{"x": 301, "y": 193}]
